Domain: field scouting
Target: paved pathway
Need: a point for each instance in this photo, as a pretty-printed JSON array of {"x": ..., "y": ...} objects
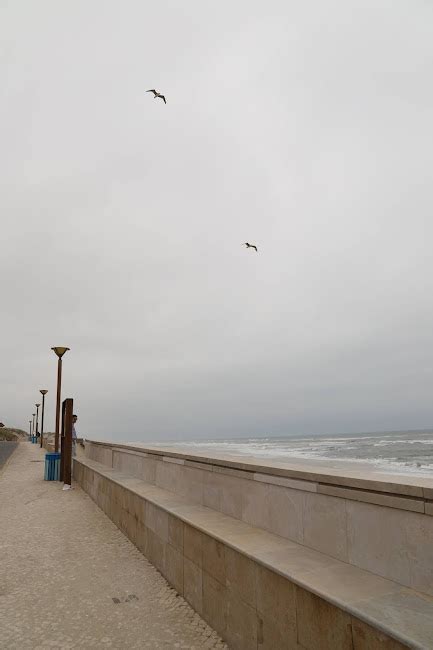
[{"x": 62, "y": 564}]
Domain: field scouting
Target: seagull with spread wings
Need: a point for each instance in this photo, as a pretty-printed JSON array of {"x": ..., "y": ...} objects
[
  {"x": 250, "y": 246},
  {"x": 156, "y": 94}
]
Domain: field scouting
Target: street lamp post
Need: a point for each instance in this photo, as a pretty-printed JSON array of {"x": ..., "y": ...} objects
[
  {"x": 37, "y": 419},
  {"x": 33, "y": 425},
  {"x": 43, "y": 391},
  {"x": 60, "y": 352},
  {"x": 30, "y": 429}
]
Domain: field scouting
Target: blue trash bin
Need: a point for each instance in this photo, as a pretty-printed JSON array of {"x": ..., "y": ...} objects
[
  {"x": 33, "y": 439},
  {"x": 52, "y": 466}
]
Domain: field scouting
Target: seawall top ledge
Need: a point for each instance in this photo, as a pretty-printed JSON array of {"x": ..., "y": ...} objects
[{"x": 314, "y": 472}]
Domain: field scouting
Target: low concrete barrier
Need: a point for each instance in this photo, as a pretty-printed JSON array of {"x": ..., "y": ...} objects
[
  {"x": 382, "y": 524},
  {"x": 256, "y": 588}
]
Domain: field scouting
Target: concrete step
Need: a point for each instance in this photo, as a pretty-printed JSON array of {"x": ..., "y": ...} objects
[{"x": 257, "y": 589}]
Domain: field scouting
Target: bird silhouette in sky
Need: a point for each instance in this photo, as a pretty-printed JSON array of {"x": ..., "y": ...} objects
[
  {"x": 156, "y": 94},
  {"x": 251, "y": 246}
]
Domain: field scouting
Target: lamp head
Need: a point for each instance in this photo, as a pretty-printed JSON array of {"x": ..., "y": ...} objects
[
  {"x": 60, "y": 351},
  {"x": 38, "y": 405},
  {"x": 43, "y": 391},
  {"x": 33, "y": 414}
]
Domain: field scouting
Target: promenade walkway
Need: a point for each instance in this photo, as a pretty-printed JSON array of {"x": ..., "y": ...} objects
[{"x": 70, "y": 579}]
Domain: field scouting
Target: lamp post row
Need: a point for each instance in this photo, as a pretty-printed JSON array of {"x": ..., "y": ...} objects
[
  {"x": 37, "y": 420},
  {"x": 59, "y": 351},
  {"x": 43, "y": 391}
]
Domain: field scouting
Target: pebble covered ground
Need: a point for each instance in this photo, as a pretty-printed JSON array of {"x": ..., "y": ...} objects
[{"x": 70, "y": 579}]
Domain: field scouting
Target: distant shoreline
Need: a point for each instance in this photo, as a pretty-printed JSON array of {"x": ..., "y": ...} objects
[{"x": 404, "y": 453}]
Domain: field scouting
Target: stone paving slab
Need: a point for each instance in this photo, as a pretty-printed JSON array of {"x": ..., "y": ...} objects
[{"x": 70, "y": 579}]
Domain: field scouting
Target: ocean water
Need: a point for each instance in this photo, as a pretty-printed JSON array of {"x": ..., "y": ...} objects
[{"x": 407, "y": 452}]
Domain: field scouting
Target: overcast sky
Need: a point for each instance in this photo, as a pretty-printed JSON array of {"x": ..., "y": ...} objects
[{"x": 302, "y": 127}]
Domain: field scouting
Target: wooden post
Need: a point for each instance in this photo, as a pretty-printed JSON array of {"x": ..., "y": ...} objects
[
  {"x": 66, "y": 457},
  {"x": 61, "y": 441}
]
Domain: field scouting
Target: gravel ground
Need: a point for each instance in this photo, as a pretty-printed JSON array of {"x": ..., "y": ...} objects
[{"x": 69, "y": 578}]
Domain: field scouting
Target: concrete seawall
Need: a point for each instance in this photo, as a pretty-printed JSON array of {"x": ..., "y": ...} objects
[{"x": 277, "y": 556}]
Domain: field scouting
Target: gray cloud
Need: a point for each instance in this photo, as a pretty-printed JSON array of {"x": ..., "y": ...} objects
[{"x": 303, "y": 127}]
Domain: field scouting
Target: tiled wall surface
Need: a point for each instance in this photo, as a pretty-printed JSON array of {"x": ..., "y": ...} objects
[
  {"x": 387, "y": 540},
  {"x": 250, "y": 606}
]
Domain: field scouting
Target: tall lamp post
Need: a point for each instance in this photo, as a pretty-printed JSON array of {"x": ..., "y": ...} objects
[
  {"x": 37, "y": 419},
  {"x": 60, "y": 352},
  {"x": 43, "y": 391},
  {"x": 30, "y": 429},
  {"x": 33, "y": 425}
]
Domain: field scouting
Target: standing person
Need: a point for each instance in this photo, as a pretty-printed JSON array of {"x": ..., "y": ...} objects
[{"x": 74, "y": 436}]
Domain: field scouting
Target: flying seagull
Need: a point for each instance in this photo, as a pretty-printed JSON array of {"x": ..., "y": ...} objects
[
  {"x": 251, "y": 246},
  {"x": 156, "y": 94}
]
